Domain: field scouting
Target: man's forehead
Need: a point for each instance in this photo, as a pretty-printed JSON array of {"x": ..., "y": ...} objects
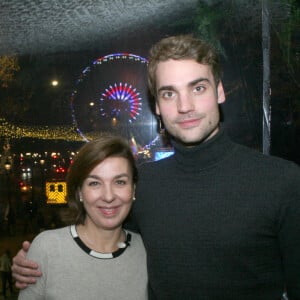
[{"x": 181, "y": 73}]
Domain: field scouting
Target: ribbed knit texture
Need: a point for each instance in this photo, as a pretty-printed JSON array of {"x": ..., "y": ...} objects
[
  {"x": 220, "y": 221},
  {"x": 69, "y": 273}
]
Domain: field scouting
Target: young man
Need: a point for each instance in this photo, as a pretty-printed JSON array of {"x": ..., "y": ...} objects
[{"x": 219, "y": 220}]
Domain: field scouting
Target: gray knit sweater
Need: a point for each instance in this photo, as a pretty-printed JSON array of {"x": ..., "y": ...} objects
[{"x": 69, "y": 273}]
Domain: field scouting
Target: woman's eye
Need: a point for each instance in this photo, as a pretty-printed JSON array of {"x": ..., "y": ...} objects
[
  {"x": 121, "y": 182},
  {"x": 93, "y": 183}
]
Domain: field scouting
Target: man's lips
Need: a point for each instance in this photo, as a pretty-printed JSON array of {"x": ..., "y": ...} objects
[{"x": 189, "y": 123}]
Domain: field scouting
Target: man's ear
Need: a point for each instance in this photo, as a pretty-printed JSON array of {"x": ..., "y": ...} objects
[
  {"x": 157, "y": 110},
  {"x": 221, "y": 93}
]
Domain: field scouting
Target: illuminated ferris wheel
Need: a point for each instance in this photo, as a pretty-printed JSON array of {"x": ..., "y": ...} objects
[
  {"x": 111, "y": 96},
  {"x": 121, "y": 99}
]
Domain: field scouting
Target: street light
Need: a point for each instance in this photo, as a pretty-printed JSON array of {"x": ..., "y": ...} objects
[
  {"x": 42, "y": 163},
  {"x": 54, "y": 83},
  {"x": 8, "y": 215},
  {"x": 7, "y": 167}
]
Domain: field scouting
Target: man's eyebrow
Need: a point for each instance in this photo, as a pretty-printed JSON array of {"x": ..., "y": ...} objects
[
  {"x": 198, "y": 80},
  {"x": 192, "y": 83},
  {"x": 166, "y": 88}
]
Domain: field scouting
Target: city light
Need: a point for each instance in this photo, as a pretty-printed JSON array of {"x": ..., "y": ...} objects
[{"x": 54, "y": 82}]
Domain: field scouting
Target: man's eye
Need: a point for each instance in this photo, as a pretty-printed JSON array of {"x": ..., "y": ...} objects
[
  {"x": 199, "y": 89},
  {"x": 168, "y": 94}
]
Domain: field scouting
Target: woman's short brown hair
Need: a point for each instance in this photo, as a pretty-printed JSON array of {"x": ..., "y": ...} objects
[{"x": 88, "y": 157}]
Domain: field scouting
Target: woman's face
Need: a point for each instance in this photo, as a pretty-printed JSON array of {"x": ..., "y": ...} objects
[{"x": 107, "y": 193}]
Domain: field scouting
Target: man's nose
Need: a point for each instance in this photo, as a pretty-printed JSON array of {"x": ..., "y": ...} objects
[{"x": 185, "y": 103}]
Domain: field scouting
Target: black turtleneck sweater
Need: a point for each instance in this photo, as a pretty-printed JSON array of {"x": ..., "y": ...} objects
[{"x": 220, "y": 221}]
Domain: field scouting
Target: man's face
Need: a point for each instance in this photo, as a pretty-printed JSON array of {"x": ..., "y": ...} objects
[{"x": 187, "y": 100}]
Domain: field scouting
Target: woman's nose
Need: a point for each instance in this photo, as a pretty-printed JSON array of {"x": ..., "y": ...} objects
[{"x": 108, "y": 195}]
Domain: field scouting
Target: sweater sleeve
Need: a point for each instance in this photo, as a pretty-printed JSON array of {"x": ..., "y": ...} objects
[
  {"x": 289, "y": 234},
  {"x": 37, "y": 252}
]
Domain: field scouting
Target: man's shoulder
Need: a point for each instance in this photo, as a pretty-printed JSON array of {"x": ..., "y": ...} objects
[{"x": 256, "y": 159}]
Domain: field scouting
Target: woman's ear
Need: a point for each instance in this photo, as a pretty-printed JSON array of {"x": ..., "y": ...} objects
[{"x": 79, "y": 195}]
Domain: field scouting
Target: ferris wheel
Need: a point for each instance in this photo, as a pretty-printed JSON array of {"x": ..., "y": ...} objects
[{"x": 111, "y": 96}]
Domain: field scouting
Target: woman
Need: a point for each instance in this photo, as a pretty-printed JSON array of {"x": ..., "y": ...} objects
[{"x": 95, "y": 258}]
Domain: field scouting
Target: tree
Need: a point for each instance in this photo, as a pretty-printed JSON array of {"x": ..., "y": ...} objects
[{"x": 8, "y": 67}]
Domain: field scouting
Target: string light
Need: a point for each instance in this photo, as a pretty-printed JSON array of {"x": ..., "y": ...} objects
[{"x": 67, "y": 133}]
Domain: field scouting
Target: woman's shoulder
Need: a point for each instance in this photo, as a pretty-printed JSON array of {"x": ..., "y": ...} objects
[
  {"x": 134, "y": 234},
  {"x": 50, "y": 236},
  {"x": 136, "y": 249},
  {"x": 135, "y": 238}
]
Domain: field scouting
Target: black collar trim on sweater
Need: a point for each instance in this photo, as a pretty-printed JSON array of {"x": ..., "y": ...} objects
[{"x": 96, "y": 254}]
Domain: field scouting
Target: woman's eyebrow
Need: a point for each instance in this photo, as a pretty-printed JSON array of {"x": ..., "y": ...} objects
[{"x": 117, "y": 176}]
